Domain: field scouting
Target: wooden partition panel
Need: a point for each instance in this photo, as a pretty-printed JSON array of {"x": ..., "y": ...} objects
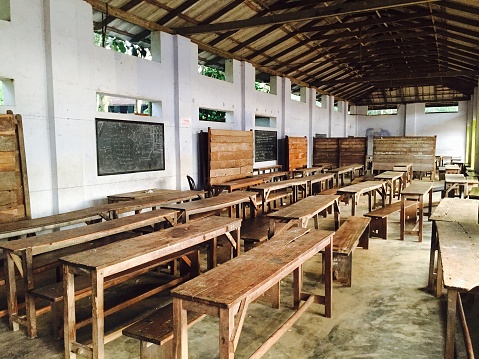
[
  {"x": 339, "y": 151},
  {"x": 326, "y": 150},
  {"x": 297, "y": 152},
  {"x": 418, "y": 150},
  {"x": 14, "y": 196},
  {"x": 230, "y": 155},
  {"x": 352, "y": 150}
]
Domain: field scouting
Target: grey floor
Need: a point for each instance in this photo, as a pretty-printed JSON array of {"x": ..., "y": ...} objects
[{"x": 387, "y": 313}]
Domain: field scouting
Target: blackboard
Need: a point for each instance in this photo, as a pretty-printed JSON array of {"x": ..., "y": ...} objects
[
  {"x": 129, "y": 146},
  {"x": 265, "y": 145}
]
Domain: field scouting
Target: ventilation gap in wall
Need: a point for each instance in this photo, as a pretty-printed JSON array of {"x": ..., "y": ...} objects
[
  {"x": 212, "y": 115},
  {"x": 5, "y": 10},
  {"x": 127, "y": 105},
  {"x": 7, "y": 92}
]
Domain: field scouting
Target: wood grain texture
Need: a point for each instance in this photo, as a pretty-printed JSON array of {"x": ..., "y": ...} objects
[
  {"x": 230, "y": 155},
  {"x": 297, "y": 152},
  {"x": 418, "y": 150}
]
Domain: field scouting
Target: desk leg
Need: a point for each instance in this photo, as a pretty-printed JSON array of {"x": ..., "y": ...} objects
[
  {"x": 353, "y": 204},
  {"x": 27, "y": 263},
  {"x": 432, "y": 255},
  {"x": 402, "y": 219},
  {"x": 451, "y": 323},
  {"x": 337, "y": 215},
  {"x": 211, "y": 256},
  {"x": 226, "y": 342},
  {"x": 180, "y": 330},
  {"x": 69, "y": 330},
  {"x": 421, "y": 217},
  {"x": 12, "y": 303},
  {"x": 97, "y": 311},
  {"x": 439, "y": 276},
  {"x": 297, "y": 285},
  {"x": 328, "y": 279}
]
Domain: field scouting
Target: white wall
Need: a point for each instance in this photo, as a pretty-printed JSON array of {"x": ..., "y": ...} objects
[{"x": 48, "y": 51}]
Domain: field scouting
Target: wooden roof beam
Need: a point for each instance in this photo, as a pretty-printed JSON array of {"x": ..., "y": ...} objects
[{"x": 315, "y": 13}]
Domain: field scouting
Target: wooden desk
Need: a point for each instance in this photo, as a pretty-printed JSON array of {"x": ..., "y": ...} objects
[
  {"x": 152, "y": 202},
  {"x": 32, "y": 226},
  {"x": 222, "y": 201},
  {"x": 127, "y": 255},
  {"x": 306, "y": 209},
  {"x": 20, "y": 253},
  {"x": 458, "y": 268},
  {"x": 459, "y": 181},
  {"x": 251, "y": 275},
  {"x": 367, "y": 187},
  {"x": 391, "y": 178},
  {"x": 417, "y": 190},
  {"x": 265, "y": 169},
  {"x": 449, "y": 210},
  {"x": 239, "y": 184},
  {"x": 340, "y": 172},
  {"x": 266, "y": 188},
  {"x": 452, "y": 169},
  {"x": 358, "y": 167},
  {"x": 404, "y": 167},
  {"x": 166, "y": 195},
  {"x": 325, "y": 181},
  {"x": 303, "y": 172},
  {"x": 272, "y": 176}
]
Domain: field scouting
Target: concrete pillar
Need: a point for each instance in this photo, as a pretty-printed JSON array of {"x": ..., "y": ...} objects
[
  {"x": 184, "y": 52},
  {"x": 411, "y": 118},
  {"x": 311, "y": 113},
  {"x": 248, "y": 93}
]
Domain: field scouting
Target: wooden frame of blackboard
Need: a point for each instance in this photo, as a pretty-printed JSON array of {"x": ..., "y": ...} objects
[
  {"x": 145, "y": 139},
  {"x": 268, "y": 147}
]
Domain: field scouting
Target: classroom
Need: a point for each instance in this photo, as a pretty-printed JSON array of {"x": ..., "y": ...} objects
[{"x": 151, "y": 148}]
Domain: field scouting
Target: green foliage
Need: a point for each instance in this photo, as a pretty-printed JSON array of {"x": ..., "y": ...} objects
[
  {"x": 262, "y": 86},
  {"x": 211, "y": 72},
  {"x": 212, "y": 115},
  {"x": 1, "y": 93},
  {"x": 441, "y": 109},
  {"x": 120, "y": 45}
]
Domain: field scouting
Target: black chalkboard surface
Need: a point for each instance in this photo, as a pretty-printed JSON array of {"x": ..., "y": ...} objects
[
  {"x": 265, "y": 145},
  {"x": 129, "y": 146}
]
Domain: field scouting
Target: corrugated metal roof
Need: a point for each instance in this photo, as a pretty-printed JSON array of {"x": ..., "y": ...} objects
[{"x": 375, "y": 52}]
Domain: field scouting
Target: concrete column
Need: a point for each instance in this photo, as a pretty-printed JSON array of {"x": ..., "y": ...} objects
[
  {"x": 311, "y": 112},
  {"x": 410, "y": 120},
  {"x": 247, "y": 95},
  {"x": 184, "y": 53}
]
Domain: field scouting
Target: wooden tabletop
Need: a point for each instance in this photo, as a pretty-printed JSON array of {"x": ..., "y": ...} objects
[
  {"x": 320, "y": 177},
  {"x": 129, "y": 253},
  {"x": 342, "y": 169},
  {"x": 68, "y": 237},
  {"x": 457, "y": 210},
  {"x": 389, "y": 175},
  {"x": 242, "y": 183},
  {"x": 417, "y": 188},
  {"x": 307, "y": 170},
  {"x": 139, "y": 194},
  {"x": 271, "y": 175},
  {"x": 213, "y": 203},
  {"x": 308, "y": 206},
  {"x": 459, "y": 249},
  {"x": 281, "y": 184},
  {"x": 361, "y": 187},
  {"x": 252, "y": 270},
  {"x": 459, "y": 178}
]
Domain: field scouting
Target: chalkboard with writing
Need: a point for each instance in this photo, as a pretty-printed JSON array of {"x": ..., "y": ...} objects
[
  {"x": 128, "y": 146},
  {"x": 265, "y": 145}
]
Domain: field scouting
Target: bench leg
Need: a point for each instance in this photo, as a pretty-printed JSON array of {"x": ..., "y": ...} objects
[
  {"x": 364, "y": 239},
  {"x": 272, "y": 296},
  {"x": 342, "y": 268},
  {"x": 153, "y": 351},
  {"x": 57, "y": 319},
  {"x": 379, "y": 227}
]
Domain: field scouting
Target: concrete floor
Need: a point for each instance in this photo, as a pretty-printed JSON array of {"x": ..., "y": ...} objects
[{"x": 387, "y": 313}]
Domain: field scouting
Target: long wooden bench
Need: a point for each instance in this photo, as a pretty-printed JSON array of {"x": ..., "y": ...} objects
[
  {"x": 352, "y": 233},
  {"x": 254, "y": 231},
  {"x": 273, "y": 198},
  {"x": 155, "y": 332},
  {"x": 379, "y": 217}
]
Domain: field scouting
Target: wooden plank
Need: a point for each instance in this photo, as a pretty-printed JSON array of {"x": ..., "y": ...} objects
[
  {"x": 8, "y": 180},
  {"x": 8, "y": 199},
  {"x": 8, "y": 143},
  {"x": 8, "y": 161}
]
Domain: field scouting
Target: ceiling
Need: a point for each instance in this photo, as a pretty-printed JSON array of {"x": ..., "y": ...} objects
[{"x": 377, "y": 52}]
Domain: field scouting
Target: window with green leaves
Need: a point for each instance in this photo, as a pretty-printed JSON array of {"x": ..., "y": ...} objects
[
  {"x": 442, "y": 108},
  {"x": 123, "y": 46}
]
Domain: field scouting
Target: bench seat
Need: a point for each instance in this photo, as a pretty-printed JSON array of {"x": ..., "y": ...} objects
[
  {"x": 474, "y": 193},
  {"x": 352, "y": 233},
  {"x": 379, "y": 217},
  {"x": 274, "y": 197},
  {"x": 254, "y": 231},
  {"x": 155, "y": 332}
]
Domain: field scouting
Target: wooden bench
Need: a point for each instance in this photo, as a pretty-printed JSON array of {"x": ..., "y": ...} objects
[
  {"x": 379, "y": 217},
  {"x": 155, "y": 332},
  {"x": 353, "y": 232},
  {"x": 254, "y": 231},
  {"x": 273, "y": 198},
  {"x": 474, "y": 193},
  {"x": 53, "y": 293}
]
